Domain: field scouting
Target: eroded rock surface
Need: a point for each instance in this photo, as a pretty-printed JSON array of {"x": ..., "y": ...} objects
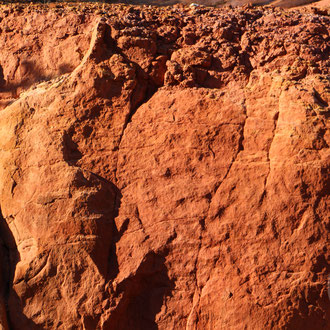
[{"x": 170, "y": 171}]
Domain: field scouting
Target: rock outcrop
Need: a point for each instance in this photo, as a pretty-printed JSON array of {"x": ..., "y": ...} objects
[{"x": 164, "y": 168}]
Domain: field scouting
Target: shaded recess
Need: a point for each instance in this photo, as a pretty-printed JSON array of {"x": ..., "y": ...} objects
[
  {"x": 9, "y": 256},
  {"x": 143, "y": 295}
]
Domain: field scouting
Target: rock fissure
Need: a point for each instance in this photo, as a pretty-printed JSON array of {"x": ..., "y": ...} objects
[
  {"x": 199, "y": 290},
  {"x": 192, "y": 318},
  {"x": 128, "y": 119},
  {"x": 269, "y": 160},
  {"x": 240, "y": 148}
]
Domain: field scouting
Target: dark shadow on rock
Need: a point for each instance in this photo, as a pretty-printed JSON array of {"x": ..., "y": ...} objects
[
  {"x": 65, "y": 68},
  {"x": 104, "y": 203},
  {"x": 2, "y": 79},
  {"x": 33, "y": 75},
  {"x": 71, "y": 153},
  {"x": 10, "y": 257},
  {"x": 143, "y": 295},
  {"x": 113, "y": 267},
  {"x": 112, "y": 204}
]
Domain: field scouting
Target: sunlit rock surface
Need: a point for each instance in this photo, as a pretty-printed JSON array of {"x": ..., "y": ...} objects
[{"x": 164, "y": 168}]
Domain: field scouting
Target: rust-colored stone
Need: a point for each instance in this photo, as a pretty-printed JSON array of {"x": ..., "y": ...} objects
[{"x": 169, "y": 171}]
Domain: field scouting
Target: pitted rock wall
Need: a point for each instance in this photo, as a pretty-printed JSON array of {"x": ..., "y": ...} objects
[{"x": 174, "y": 176}]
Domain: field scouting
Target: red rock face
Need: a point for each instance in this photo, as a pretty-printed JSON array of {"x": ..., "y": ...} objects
[{"x": 174, "y": 176}]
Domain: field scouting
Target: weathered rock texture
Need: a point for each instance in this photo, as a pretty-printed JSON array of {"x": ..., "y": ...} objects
[{"x": 170, "y": 170}]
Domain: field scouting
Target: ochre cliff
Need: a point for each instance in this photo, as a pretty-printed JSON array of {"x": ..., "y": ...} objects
[{"x": 164, "y": 168}]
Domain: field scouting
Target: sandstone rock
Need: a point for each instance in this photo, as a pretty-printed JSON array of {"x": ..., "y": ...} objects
[{"x": 175, "y": 176}]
